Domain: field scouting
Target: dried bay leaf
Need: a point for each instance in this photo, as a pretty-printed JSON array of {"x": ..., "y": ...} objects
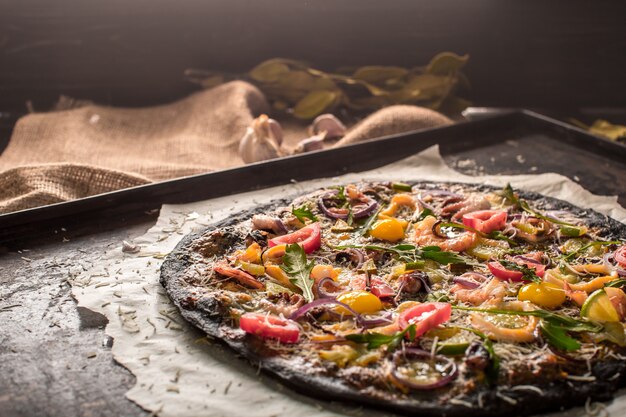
[
  {"x": 446, "y": 63},
  {"x": 315, "y": 103},
  {"x": 270, "y": 70},
  {"x": 379, "y": 74}
]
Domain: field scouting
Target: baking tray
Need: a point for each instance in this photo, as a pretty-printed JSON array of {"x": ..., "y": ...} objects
[{"x": 513, "y": 143}]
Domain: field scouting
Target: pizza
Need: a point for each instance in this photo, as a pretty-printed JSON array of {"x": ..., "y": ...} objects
[{"x": 431, "y": 298}]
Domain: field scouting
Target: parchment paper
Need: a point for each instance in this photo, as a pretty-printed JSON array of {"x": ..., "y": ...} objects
[{"x": 181, "y": 373}]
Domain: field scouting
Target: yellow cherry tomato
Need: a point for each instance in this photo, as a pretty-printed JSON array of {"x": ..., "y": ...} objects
[
  {"x": 362, "y": 302},
  {"x": 389, "y": 229},
  {"x": 544, "y": 294}
]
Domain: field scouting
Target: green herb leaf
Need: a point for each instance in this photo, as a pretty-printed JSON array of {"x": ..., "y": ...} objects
[
  {"x": 441, "y": 257},
  {"x": 295, "y": 265},
  {"x": 410, "y": 253},
  {"x": 509, "y": 195},
  {"x": 618, "y": 283},
  {"x": 498, "y": 235},
  {"x": 303, "y": 213},
  {"x": 528, "y": 274},
  {"x": 369, "y": 222},
  {"x": 376, "y": 340},
  {"x": 557, "y": 336},
  {"x": 423, "y": 214}
]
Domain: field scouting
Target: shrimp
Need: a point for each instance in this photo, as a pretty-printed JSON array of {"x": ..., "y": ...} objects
[
  {"x": 238, "y": 275},
  {"x": 494, "y": 331},
  {"x": 491, "y": 293},
  {"x": 424, "y": 236}
]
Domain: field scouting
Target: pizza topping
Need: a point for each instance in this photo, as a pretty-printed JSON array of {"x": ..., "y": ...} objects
[
  {"x": 425, "y": 236},
  {"x": 238, "y": 275},
  {"x": 605, "y": 305},
  {"x": 417, "y": 369},
  {"x": 543, "y": 294},
  {"x": 389, "y": 229},
  {"x": 425, "y": 316},
  {"x": 360, "y": 301},
  {"x": 620, "y": 256},
  {"x": 356, "y": 205},
  {"x": 517, "y": 270},
  {"x": 486, "y": 221},
  {"x": 309, "y": 237},
  {"x": 296, "y": 266},
  {"x": 264, "y": 222},
  {"x": 270, "y": 327}
]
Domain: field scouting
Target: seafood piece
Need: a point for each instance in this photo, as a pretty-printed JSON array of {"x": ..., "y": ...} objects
[
  {"x": 492, "y": 292},
  {"x": 239, "y": 276},
  {"x": 424, "y": 236},
  {"x": 468, "y": 205}
]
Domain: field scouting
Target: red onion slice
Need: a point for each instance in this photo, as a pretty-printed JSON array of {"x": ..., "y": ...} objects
[
  {"x": 608, "y": 260},
  {"x": 355, "y": 255},
  {"x": 446, "y": 366},
  {"x": 527, "y": 259},
  {"x": 470, "y": 280},
  {"x": 321, "y": 291},
  {"x": 322, "y": 302},
  {"x": 370, "y": 205},
  {"x": 363, "y": 321}
]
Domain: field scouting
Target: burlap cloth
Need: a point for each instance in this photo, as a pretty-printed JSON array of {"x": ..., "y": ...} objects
[{"x": 69, "y": 154}]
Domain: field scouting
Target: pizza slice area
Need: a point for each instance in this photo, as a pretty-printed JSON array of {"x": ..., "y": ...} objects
[{"x": 406, "y": 288}]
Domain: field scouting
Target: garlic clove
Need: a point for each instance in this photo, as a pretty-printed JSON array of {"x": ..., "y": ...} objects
[
  {"x": 261, "y": 141},
  {"x": 330, "y": 124},
  {"x": 314, "y": 143}
]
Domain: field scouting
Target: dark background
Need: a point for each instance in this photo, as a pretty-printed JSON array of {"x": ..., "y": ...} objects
[{"x": 562, "y": 55}]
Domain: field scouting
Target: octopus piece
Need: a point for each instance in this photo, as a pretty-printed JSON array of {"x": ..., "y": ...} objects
[
  {"x": 424, "y": 236},
  {"x": 468, "y": 205}
]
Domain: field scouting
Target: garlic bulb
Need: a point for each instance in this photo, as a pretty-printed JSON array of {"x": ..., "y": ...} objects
[
  {"x": 261, "y": 141},
  {"x": 329, "y": 124}
]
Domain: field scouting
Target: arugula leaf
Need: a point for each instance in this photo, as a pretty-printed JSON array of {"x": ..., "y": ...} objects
[
  {"x": 618, "y": 283},
  {"x": 341, "y": 194},
  {"x": 569, "y": 323},
  {"x": 410, "y": 253},
  {"x": 369, "y": 222},
  {"x": 435, "y": 253},
  {"x": 376, "y": 340},
  {"x": 528, "y": 274},
  {"x": 302, "y": 213},
  {"x": 509, "y": 195},
  {"x": 295, "y": 265},
  {"x": 424, "y": 213},
  {"x": 498, "y": 235},
  {"x": 557, "y": 336}
]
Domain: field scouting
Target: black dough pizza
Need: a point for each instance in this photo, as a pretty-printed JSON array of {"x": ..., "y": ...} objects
[{"x": 431, "y": 298}]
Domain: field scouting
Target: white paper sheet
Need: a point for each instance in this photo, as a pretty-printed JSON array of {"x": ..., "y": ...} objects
[{"x": 179, "y": 373}]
